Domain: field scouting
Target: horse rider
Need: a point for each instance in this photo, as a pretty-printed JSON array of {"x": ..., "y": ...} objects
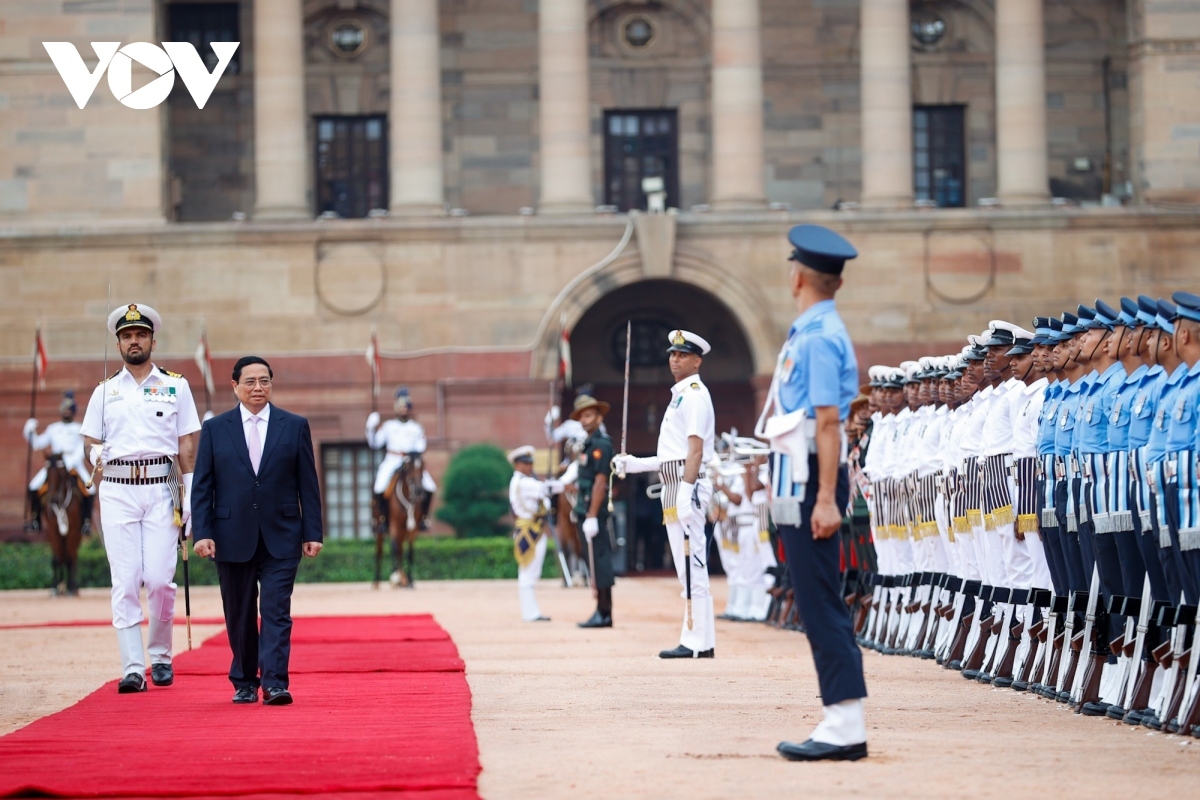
[
  {"x": 141, "y": 430},
  {"x": 529, "y": 499},
  {"x": 403, "y": 437},
  {"x": 63, "y": 439},
  {"x": 686, "y": 441}
]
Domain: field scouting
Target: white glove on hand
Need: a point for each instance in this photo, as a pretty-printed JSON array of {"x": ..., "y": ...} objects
[
  {"x": 373, "y": 420},
  {"x": 628, "y": 465},
  {"x": 684, "y": 508},
  {"x": 30, "y": 428},
  {"x": 97, "y": 451},
  {"x": 591, "y": 527},
  {"x": 185, "y": 513},
  {"x": 554, "y": 486}
]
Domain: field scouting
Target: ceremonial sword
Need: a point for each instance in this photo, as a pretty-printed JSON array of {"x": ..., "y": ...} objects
[{"x": 98, "y": 449}]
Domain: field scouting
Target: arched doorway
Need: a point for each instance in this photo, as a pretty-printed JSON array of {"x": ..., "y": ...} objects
[{"x": 655, "y": 308}]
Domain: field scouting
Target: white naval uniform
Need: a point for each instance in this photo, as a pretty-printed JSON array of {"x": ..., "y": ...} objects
[
  {"x": 527, "y": 496},
  {"x": 690, "y": 413},
  {"x": 63, "y": 439},
  {"x": 140, "y": 421},
  {"x": 400, "y": 439}
]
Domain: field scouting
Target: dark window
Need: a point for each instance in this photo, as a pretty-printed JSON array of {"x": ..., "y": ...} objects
[
  {"x": 349, "y": 472},
  {"x": 640, "y": 144},
  {"x": 939, "y": 155},
  {"x": 204, "y": 23},
  {"x": 649, "y": 347},
  {"x": 352, "y": 173}
]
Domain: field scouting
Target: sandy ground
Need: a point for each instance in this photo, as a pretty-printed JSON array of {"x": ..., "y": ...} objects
[{"x": 564, "y": 712}]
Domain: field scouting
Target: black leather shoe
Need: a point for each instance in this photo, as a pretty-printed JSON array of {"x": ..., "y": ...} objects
[
  {"x": 819, "y": 751},
  {"x": 131, "y": 683},
  {"x": 1002, "y": 682},
  {"x": 1115, "y": 712},
  {"x": 597, "y": 620},
  {"x": 162, "y": 674},
  {"x": 276, "y": 696},
  {"x": 1151, "y": 721},
  {"x": 684, "y": 652},
  {"x": 246, "y": 694},
  {"x": 971, "y": 674},
  {"x": 540, "y": 619},
  {"x": 1133, "y": 717},
  {"x": 1094, "y": 709}
]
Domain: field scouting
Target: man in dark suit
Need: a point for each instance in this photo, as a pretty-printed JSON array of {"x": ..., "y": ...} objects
[{"x": 256, "y": 507}]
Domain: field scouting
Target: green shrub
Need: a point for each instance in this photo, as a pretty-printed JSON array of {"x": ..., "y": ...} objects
[
  {"x": 475, "y": 491},
  {"x": 27, "y": 566}
]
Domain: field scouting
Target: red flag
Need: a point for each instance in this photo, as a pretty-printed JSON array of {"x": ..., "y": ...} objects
[
  {"x": 375, "y": 362},
  {"x": 564, "y": 357},
  {"x": 204, "y": 362},
  {"x": 40, "y": 359}
]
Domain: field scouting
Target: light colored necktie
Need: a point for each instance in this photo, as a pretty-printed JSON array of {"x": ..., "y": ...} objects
[{"x": 255, "y": 444}]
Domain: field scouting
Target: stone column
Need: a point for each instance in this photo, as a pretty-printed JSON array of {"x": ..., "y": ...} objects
[
  {"x": 416, "y": 109},
  {"x": 280, "y": 129},
  {"x": 737, "y": 106},
  {"x": 565, "y": 123},
  {"x": 887, "y": 168},
  {"x": 1021, "y": 103}
]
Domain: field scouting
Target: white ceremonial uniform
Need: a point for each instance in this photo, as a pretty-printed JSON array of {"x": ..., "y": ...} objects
[
  {"x": 63, "y": 439},
  {"x": 139, "y": 422},
  {"x": 690, "y": 413},
  {"x": 972, "y": 444},
  {"x": 1026, "y": 413},
  {"x": 1009, "y": 557},
  {"x": 750, "y": 563},
  {"x": 528, "y": 497},
  {"x": 399, "y": 438}
]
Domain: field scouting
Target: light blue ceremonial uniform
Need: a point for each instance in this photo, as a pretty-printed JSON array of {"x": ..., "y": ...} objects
[{"x": 819, "y": 366}]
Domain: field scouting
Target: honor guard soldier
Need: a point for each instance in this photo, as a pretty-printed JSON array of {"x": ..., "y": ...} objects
[
  {"x": 403, "y": 437},
  {"x": 591, "y": 503},
  {"x": 529, "y": 499},
  {"x": 62, "y": 438},
  {"x": 141, "y": 430},
  {"x": 815, "y": 379},
  {"x": 685, "y": 445}
]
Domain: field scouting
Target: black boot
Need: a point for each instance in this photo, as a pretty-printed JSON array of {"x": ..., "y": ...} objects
[
  {"x": 381, "y": 514},
  {"x": 602, "y": 617},
  {"x": 85, "y": 511},
  {"x": 426, "y": 502}
]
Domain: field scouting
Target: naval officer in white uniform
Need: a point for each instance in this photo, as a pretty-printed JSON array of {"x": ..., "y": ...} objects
[
  {"x": 685, "y": 445},
  {"x": 141, "y": 429}
]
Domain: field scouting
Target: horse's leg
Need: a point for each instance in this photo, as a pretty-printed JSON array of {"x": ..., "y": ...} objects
[
  {"x": 397, "y": 575},
  {"x": 412, "y": 580},
  {"x": 74, "y": 537},
  {"x": 57, "y": 554},
  {"x": 378, "y": 556}
]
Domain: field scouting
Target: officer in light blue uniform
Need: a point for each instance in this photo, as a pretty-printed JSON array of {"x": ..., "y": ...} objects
[
  {"x": 1067, "y": 496},
  {"x": 1181, "y": 432},
  {"x": 1160, "y": 467},
  {"x": 1147, "y": 388},
  {"x": 817, "y": 372},
  {"x": 1047, "y": 334}
]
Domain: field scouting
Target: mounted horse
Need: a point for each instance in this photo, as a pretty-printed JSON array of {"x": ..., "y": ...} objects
[
  {"x": 62, "y": 520},
  {"x": 568, "y": 540},
  {"x": 405, "y": 497}
]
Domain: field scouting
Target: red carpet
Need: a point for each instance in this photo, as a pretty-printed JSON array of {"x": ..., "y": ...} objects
[{"x": 382, "y": 711}]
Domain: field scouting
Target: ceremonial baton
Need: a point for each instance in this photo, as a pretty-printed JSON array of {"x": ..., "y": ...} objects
[{"x": 187, "y": 584}]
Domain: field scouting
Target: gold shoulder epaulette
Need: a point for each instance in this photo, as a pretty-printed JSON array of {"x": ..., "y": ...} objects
[
  {"x": 169, "y": 374},
  {"x": 109, "y": 378}
]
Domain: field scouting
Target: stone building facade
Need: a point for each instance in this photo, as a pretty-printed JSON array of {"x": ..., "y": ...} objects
[{"x": 463, "y": 178}]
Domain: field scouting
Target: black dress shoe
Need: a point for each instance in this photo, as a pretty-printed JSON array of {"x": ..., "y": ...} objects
[
  {"x": 1001, "y": 682},
  {"x": 819, "y": 751},
  {"x": 540, "y": 619},
  {"x": 246, "y": 694},
  {"x": 1094, "y": 709},
  {"x": 971, "y": 674},
  {"x": 1133, "y": 717},
  {"x": 684, "y": 652},
  {"x": 276, "y": 696},
  {"x": 1115, "y": 712},
  {"x": 131, "y": 683},
  {"x": 162, "y": 674},
  {"x": 597, "y": 620}
]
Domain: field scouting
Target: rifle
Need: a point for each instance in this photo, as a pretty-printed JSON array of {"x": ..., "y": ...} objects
[
  {"x": 1146, "y": 663},
  {"x": 1134, "y": 647},
  {"x": 1001, "y": 621},
  {"x": 1185, "y": 616},
  {"x": 966, "y": 618},
  {"x": 1086, "y": 700},
  {"x": 1071, "y": 645},
  {"x": 1002, "y": 669},
  {"x": 1055, "y": 641},
  {"x": 1189, "y": 709},
  {"x": 1035, "y": 635},
  {"x": 977, "y": 647}
]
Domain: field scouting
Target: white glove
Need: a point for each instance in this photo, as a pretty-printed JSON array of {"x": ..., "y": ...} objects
[
  {"x": 683, "y": 502},
  {"x": 185, "y": 513},
  {"x": 373, "y": 420},
  {"x": 591, "y": 526},
  {"x": 628, "y": 465},
  {"x": 30, "y": 428},
  {"x": 552, "y": 416},
  {"x": 97, "y": 451},
  {"x": 554, "y": 486}
]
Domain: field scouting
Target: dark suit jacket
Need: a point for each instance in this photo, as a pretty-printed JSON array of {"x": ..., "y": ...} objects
[{"x": 232, "y": 506}]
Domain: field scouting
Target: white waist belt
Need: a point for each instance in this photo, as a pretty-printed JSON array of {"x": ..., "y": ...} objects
[{"x": 127, "y": 472}]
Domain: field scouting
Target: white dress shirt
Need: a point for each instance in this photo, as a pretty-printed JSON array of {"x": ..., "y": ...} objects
[
  {"x": 690, "y": 413},
  {"x": 1027, "y": 412},
  {"x": 138, "y": 421},
  {"x": 264, "y": 419},
  {"x": 997, "y": 434}
]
